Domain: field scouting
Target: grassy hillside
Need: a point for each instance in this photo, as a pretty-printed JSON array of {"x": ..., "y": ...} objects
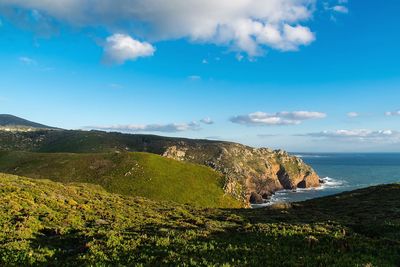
[
  {"x": 48, "y": 223},
  {"x": 134, "y": 174},
  {"x": 88, "y": 141},
  {"x": 12, "y": 121},
  {"x": 247, "y": 171}
]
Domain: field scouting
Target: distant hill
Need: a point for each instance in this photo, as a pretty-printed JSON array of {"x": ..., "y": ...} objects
[
  {"x": 128, "y": 173},
  {"x": 44, "y": 223},
  {"x": 251, "y": 175},
  {"x": 11, "y": 121}
]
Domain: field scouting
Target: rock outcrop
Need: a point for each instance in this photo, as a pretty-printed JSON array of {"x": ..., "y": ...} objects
[
  {"x": 248, "y": 171},
  {"x": 251, "y": 174}
]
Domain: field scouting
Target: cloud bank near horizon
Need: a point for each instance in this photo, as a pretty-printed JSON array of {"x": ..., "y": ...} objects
[
  {"x": 359, "y": 135},
  {"x": 164, "y": 128},
  {"x": 392, "y": 113},
  {"x": 280, "y": 118}
]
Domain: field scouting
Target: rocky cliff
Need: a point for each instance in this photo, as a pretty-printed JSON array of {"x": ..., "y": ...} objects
[{"x": 252, "y": 174}]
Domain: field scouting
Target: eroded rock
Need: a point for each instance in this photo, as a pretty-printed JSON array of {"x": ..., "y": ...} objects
[{"x": 251, "y": 174}]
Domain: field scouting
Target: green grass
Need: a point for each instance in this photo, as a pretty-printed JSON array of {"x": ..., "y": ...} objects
[
  {"x": 76, "y": 141},
  {"x": 48, "y": 223},
  {"x": 134, "y": 174}
]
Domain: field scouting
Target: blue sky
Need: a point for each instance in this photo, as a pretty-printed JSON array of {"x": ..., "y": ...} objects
[{"x": 293, "y": 91}]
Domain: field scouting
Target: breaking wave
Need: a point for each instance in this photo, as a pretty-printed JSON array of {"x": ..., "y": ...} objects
[{"x": 302, "y": 193}]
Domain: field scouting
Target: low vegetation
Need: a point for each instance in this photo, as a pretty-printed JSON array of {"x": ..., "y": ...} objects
[
  {"x": 247, "y": 171},
  {"x": 48, "y": 223},
  {"x": 133, "y": 174}
]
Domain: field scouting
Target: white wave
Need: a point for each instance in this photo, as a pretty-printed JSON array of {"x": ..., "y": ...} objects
[
  {"x": 284, "y": 195},
  {"x": 329, "y": 182}
]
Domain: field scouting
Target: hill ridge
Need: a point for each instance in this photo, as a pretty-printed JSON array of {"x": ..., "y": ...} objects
[
  {"x": 11, "y": 121},
  {"x": 250, "y": 174}
]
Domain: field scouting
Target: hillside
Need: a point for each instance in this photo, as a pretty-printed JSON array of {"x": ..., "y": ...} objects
[
  {"x": 250, "y": 175},
  {"x": 48, "y": 223},
  {"x": 133, "y": 174},
  {"x": 11, "y": 122}
]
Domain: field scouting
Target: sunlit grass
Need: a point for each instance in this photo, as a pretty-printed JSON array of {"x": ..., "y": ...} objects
[
  {"x": 133, "y": 174},
  {"x": 43, "y": 222}
]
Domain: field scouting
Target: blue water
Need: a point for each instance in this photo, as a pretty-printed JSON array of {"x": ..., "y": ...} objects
[{"x": 344, "y": 172}]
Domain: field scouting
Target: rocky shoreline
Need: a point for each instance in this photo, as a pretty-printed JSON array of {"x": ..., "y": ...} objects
[
  {"x": 251, "y": 174},
  {"x": 261, "y": 201}
]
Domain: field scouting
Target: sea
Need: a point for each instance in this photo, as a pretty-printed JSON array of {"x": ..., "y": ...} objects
[{"x": 343, "y": 172}]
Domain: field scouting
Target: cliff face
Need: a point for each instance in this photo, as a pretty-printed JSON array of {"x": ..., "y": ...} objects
[{"x": 251, "y": 174}]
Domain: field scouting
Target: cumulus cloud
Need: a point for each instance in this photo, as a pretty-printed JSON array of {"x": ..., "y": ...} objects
[
  {"x": 393, "y": 113},
  {"x": 119, "y": 48},
  {"x": 280, "y": 118},
  {"x": 165, "y": 128},
  {"x": 353, "y": 114},
  {"x": 248, "y": 26},
  {"x": 360, "y": 135},
  {"x": 207, "y": 121}
]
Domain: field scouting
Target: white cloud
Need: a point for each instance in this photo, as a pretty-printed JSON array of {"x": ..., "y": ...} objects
[
  {"x": 27, "y": 61},
  {"x": 120, "y": 48},
  {"x": 166, "y": 128},
  {"x": 247, "y": 26},
  {"x": 393, "y": 113},
  {"x": 213, "y": 137},
  {"x": 280, "y": 118},
  {"x": 341, "y": 9},
  {"x": 353, "y": 114},
  {"x": 360, "y": 135},
  {"x": 207, "y": 121}
]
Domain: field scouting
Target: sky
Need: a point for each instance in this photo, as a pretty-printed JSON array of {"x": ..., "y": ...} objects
[{"x": 301, "y": 75}]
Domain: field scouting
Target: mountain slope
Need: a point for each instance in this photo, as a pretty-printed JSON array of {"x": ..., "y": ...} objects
[
  {"x": 249, "y": 174},
  {"x": 48, "y": 223},
  {"x": 134, "y": 174},
  {"x": 13, "y": 122}
]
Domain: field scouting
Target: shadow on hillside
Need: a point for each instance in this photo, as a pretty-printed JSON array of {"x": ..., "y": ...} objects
[
  {"x": 65, "y": 246},
  {"x": 350, "y": 229}
]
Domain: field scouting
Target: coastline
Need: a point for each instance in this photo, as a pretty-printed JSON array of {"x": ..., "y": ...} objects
[{"x": 288, "y": 196}]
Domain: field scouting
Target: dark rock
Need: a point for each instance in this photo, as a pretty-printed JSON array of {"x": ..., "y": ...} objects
[
  {"x": 302, "y": 184},
  {"x": 256, "y": 198},
  {"x": 266, "y": 194}
]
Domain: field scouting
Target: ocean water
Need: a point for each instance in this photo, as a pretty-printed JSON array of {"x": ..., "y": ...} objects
[{"x": 344, "y": 172}]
